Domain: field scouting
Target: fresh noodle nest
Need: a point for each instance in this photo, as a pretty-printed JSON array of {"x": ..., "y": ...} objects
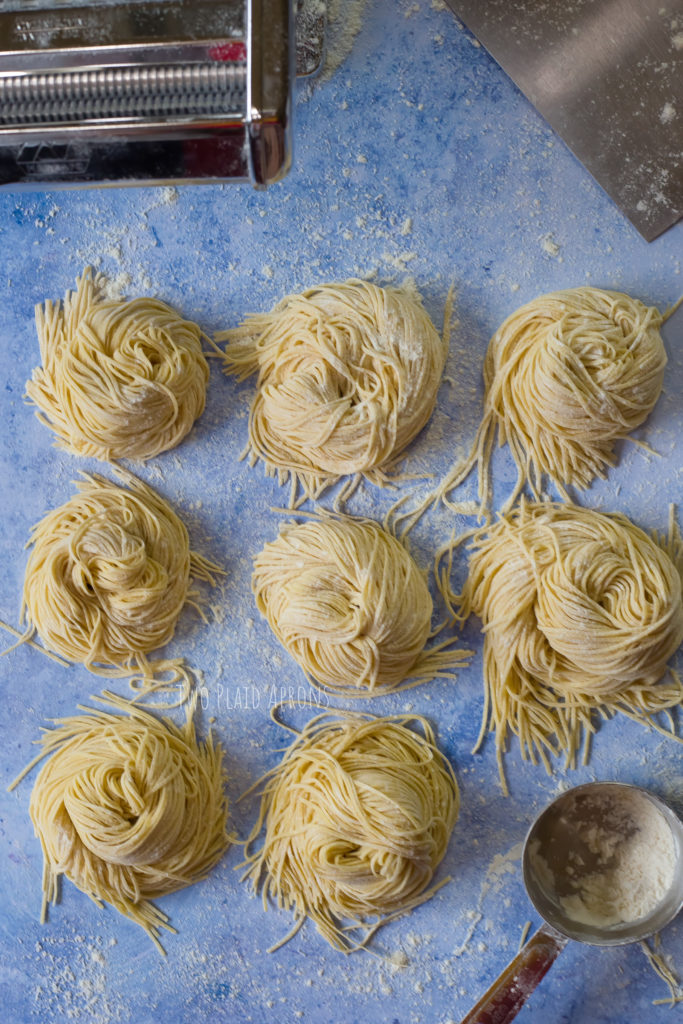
[
  {"x": 129, "y": 807},
  {"x": 348, "y": 375},
  {"x": 357, "y": 817},
  {"x": 581, "y": 612},
  {"x": 348, "y": 602},
  {"x": 566, "y": 376},
  {"x": 119, "y": 379},
  {"x": 108, "y": 576}
]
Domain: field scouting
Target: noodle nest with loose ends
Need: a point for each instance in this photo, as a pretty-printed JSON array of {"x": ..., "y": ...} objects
[
  {"x": 566, "y": 376},
  {"x": 357, "y": 818},
  {"x": 348, "y": 375},
  {"x": 129, "y": 807},
  {"x": 108, "y": 576},
  {"x": 350, "y": 605},
  {"x": 581, "y": 611},
  {"x": 119, "y": 379}
]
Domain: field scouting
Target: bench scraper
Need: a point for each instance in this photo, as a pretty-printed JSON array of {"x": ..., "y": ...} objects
[{"x": 607, "y": 75}]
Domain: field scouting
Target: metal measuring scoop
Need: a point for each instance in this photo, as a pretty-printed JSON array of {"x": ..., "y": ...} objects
[{"x": 559, "y": 851}]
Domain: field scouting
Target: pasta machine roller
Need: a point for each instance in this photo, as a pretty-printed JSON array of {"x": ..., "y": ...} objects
[{"x": 151, "y": 91}]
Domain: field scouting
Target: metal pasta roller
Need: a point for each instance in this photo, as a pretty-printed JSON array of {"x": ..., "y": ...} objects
[{"x": 151, "y": 91}]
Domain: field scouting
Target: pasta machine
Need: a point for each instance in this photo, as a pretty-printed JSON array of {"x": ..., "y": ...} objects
[{"x": 151, "y": 91}]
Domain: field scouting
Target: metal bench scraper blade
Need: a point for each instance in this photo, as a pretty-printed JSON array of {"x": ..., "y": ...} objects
[{"x": 607, "y": 75}]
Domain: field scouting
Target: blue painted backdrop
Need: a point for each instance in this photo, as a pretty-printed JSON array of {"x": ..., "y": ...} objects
[{"x": 416, "y": 158}]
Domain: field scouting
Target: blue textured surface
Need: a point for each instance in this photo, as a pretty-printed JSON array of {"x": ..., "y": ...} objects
[{"x": 417, "y": 157}]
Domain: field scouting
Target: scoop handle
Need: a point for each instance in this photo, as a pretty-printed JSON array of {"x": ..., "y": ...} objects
[{"x": 511, "y": 989}]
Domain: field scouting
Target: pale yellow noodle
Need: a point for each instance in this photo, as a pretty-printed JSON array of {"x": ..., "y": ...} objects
[
  {"x": 107, "y": 579},
  {"x": 348, "y": 375},
  {"x": 357, "y": 817},
  {"x": 565, "y": 377},
  {"x": 119, "y": 379},
  {"x": 581, "y": 612},
  {"x": 351, "y": 606},
  {"x": 128, "y": 807},
  {"x": 662, "y": 969}
]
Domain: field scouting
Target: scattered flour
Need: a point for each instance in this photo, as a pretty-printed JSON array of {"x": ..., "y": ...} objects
[
  {"x": 549, "y": 245},
  {"x": 667, "y": 113}
]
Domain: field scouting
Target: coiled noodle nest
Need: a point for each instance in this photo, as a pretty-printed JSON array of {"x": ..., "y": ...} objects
[
  {"x": 128, "y": 807},
  {"x": 348, "y": 375},
  {"x": 566, "y": 376},
  {"x": 108, "y": 576},
  {"x": 581, "y": 612},
  {"x": 357, "y": 818},
  {"x": 119, "y": 379},
  {"x": 351, "y": 606}
]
